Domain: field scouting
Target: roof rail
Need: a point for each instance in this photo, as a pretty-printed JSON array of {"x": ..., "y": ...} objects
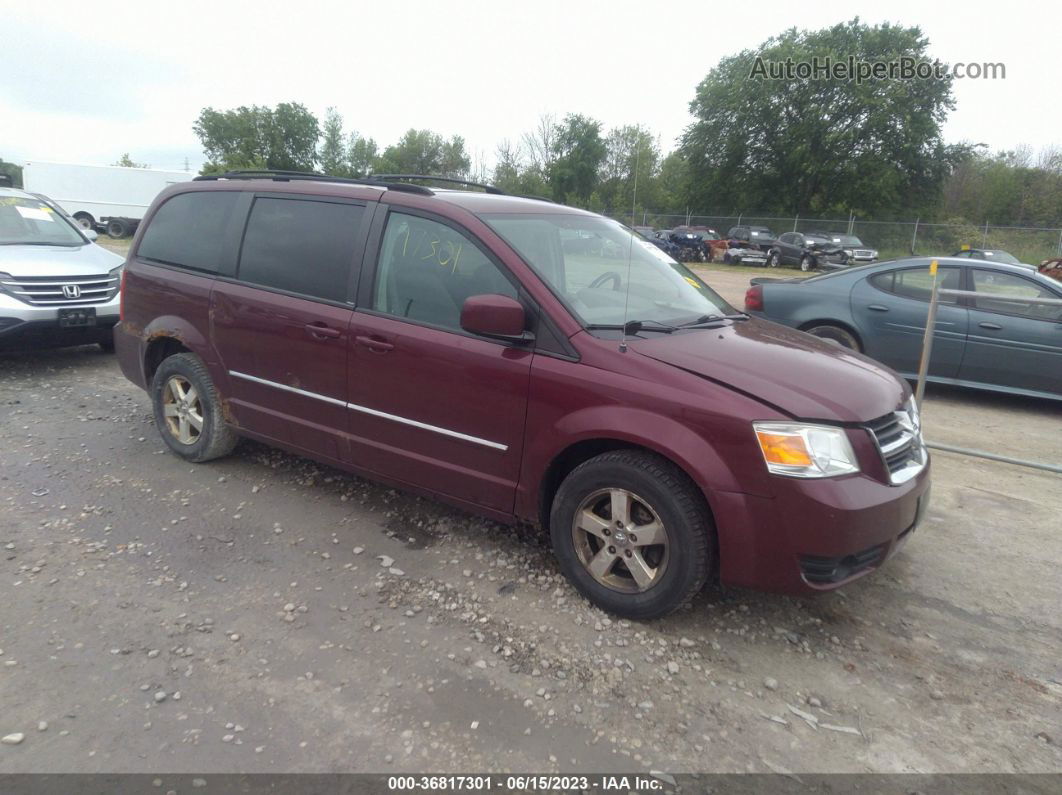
[
  {"x": 280, "y": 175},
  {"x": 449, "y": 180}
]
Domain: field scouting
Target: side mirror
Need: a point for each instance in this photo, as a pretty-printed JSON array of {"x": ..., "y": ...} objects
[
  {"x": 90, "y": 234},
  {"x": 496, "y": 316}
]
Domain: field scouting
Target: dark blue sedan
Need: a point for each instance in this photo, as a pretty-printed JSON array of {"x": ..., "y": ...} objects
[{"x": 979, "y": 340}]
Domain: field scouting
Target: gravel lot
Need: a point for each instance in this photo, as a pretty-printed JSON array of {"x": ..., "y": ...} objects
[{"x": 264, "y": 613}]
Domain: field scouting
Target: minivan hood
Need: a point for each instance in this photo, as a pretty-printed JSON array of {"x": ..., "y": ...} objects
[
  {"x": 86, "y": 260},
  {"x": 800, "y": 374}
]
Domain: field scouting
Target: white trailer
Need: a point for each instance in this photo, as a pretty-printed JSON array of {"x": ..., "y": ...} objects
[{"x": 110, "y": 197}]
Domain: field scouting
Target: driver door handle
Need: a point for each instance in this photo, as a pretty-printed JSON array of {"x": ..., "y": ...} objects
[
  {"x": 992, "y": 326},
  {"x": 321, "y": 331},
  {"x": 878, "y": 307}
]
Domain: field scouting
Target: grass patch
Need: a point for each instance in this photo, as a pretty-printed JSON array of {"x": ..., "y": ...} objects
[{"x": 117, "y": 246}]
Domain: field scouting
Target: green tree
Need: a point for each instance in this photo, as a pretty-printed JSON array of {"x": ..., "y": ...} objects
[
  {"x": 820, "y": 145},
  {"x": 578, "y": 152},
  {"x": 333, "y": 154},
  {"x": 125, "y": 161},
  {"x": 282, "y": 138},
  {"x": 361, "y": 155},
  {"x": 428, "y": 153},
  {"x": 515, "y": 173},
  {"x": 12, "y": 171},
  {"x": 632, "y": 161}
]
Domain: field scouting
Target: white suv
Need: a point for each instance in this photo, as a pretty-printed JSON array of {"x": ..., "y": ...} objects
[{"x": 57, "y": 287}]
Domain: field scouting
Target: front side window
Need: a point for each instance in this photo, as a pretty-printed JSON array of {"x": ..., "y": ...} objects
[
  {"x": 188, "y": 231},
  {"x": 604, "y": 273},
  {"x": 427, "y": 269},
  {"x": 996, "y": 288},
  {"x": 301, "y": 246},
  {"x": 31, "y": 222}
]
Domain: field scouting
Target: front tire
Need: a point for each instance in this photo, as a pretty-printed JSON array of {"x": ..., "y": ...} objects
[
  {"x": 806, "y": 263},
  {"x": 632, "y": 533},
  {"x": 188, "y": 410},
  {"x": 773, "y": 259}
]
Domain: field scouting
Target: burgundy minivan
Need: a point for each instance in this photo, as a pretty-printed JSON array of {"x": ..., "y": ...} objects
[{"x": 526, "y": 361}]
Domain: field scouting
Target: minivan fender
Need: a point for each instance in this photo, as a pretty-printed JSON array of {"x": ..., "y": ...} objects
[{"x": 617, "y": 426}]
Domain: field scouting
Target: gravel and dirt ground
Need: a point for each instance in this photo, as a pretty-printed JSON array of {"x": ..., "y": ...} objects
[{"x": 264, "y": 613}]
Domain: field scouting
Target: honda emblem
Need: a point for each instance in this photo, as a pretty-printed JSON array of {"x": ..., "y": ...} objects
[{"x": 71, "y": 291}]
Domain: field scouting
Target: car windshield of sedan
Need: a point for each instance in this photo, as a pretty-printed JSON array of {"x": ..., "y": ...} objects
[
  {"x": 605, "y": 274},
  {"x": 31, "y": 222},
  {"x": 847, "y": 240}
]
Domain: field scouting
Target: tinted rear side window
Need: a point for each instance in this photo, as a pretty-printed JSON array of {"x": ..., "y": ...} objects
[
  {"x": 300, "y": 246},
  {"x": 188, "y": 230}
]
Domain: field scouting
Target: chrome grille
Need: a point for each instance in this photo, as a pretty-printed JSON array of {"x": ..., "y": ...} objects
[
  {"x": 899, "y": 439},
  {"x": 862, "y": 253},
  {"x": 62, "y": 290}
]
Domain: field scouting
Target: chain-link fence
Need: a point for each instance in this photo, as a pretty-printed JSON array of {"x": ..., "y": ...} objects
[{"x": 891, "y": 238}]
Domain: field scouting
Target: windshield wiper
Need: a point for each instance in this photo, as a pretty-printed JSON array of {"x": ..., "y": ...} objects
[
  {"x": 707, "y": 321},
  {"x": 635, "y": 326}
]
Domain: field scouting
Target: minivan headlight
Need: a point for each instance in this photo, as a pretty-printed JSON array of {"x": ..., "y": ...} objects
[{"x": 805, "y": 451}]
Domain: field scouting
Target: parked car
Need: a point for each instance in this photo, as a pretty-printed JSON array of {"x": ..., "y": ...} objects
[
  {"x": 445, "y": 342},
  {"x": 759, "y": 236},
  {"x": 690, "y": 246},
  {"x": 806, "y": 251},
  {"x": 992, "y": 255},
  {"x": 57, "y": 287},
  {"x": 858, "y": 252},
  {"x": 979, "y": 341},
  {"x": 739, "y": 252},
  {"x": 664, "y": 244}
]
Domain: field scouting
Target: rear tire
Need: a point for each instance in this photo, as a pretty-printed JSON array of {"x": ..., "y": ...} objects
[
  {"x": 650, "y": 496},
  {"x": 85, "y": 221},
  {"x": 117, "y": 228},
  {"x": 191, "y": 422},
  {"x": 837, "y": 335}
]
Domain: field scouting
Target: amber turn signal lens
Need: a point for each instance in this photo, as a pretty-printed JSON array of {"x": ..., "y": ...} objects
[{"x": 788, "y": 450}]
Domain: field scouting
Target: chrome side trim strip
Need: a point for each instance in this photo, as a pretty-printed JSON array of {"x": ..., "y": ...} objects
[
  {"x": 373, "y": 412},
  {"x": 287, "y": 388},
  {"x": 426, "y": 427}
]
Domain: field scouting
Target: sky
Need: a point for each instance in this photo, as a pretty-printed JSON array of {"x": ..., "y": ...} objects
[{"x": 132, "y": 77}]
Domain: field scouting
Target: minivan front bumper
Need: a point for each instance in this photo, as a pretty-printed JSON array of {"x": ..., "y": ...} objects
[{"x": 815, "y": 535}]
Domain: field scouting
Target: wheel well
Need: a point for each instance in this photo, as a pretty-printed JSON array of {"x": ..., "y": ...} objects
[
  {"x": 158, "y": 350},
  {"x": 831, "y": 322},
  {"x": 579, "y": 452}
]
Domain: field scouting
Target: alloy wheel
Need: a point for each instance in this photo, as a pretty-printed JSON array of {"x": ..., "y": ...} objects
[
  {"x": 620, "y": 540},
  {"x": 182, "y": 409}
]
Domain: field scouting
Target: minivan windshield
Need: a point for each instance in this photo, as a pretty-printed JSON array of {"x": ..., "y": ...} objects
[
  {"x": 606, "y": 274},
  {"x": 31, "y": 222}
]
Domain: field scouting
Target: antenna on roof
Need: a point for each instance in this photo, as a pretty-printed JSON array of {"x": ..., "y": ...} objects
[{"x": 630, "y": 250}]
